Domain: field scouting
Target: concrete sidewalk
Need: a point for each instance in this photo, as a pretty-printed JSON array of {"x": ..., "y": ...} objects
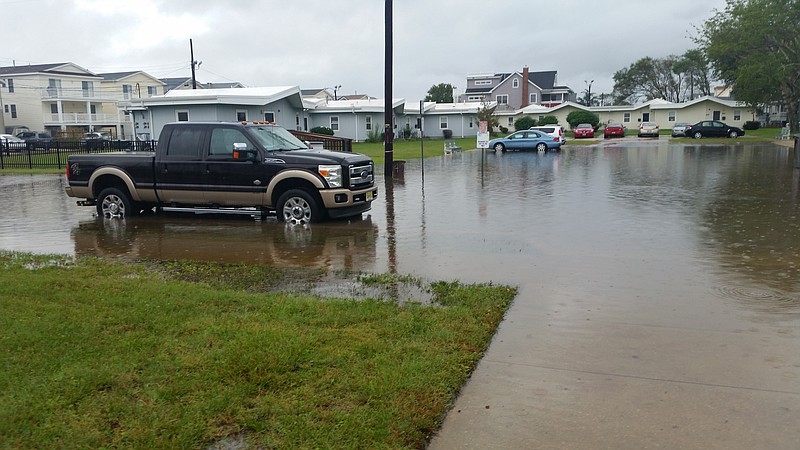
[{"x": 608, "y": 368}]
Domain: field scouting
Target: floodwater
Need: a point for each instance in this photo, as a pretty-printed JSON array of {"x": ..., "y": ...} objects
[{"x": 676, "y": 239}]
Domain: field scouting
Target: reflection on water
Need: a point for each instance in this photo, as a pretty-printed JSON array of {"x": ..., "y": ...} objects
[
  {"x": 340, "y": 245},
  {"x": 717, "y": 220}
]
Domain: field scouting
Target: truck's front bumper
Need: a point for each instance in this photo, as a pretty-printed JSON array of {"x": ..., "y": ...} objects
[{"x": 344, "y": 202}]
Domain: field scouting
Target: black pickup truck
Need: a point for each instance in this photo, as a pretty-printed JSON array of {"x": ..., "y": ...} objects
[{"x": 219, "y": 165}]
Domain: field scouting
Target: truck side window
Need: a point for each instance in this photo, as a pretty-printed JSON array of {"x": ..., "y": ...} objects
[
  {"x": 222, "y": 140},
  {"x": 185, "y": 142}
]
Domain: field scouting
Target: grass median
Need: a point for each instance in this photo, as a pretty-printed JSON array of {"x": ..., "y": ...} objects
[{"x": 100, "y": 353}]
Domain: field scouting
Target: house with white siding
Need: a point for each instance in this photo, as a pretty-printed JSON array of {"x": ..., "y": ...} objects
[
  {"x": 355, "y": 119},
  {"x": 282, "y": 105}
]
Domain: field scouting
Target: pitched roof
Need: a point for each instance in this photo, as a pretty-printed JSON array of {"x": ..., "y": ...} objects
[
  {"x": 52, "y": 68},
  {"x": 545, "y": 80},
  {"x": 230, "y": 96}
]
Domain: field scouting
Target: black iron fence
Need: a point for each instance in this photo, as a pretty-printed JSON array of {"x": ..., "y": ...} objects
[{"x": 21, "y": 155}]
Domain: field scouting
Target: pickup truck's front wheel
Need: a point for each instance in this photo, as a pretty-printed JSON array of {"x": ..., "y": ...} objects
[
  {"x": 114, "y": 202},
  {"x": 297, "y": 206}
]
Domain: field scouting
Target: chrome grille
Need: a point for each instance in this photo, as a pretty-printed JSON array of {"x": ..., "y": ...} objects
[{"x": 361, "y": 175}]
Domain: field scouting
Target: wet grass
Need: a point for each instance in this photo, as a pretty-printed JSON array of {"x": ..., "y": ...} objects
[
  {"x": 411, "y": 149},
  {"x": 102, "y": 354}
]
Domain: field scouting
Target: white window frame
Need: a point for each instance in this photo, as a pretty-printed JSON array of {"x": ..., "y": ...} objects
[
  {"x": 241, "y": 111},
  {"x": 443, "y": 122},
  {"x": 483, "y": 82},
  {"x": 510, "y": 121},
  {"x": 515, "y": 83},
  {"x": 475, "y": 98},
  {"x": 334, "y": 123},
  {"x": 152, "y": 90},
  {"x": 270, "y": 113},
  {"x": 10, "y": 85},
  {"x": 671, "y": 116},
  {"x": 504, "y": 101},
  {"x": 127, "y": 91},
  {"x": 533, "y": 99},
  {"x": 626, "y": 117},
  {"x": 178, "y": 113},
  {"x": 368, "y": 122},
  {"x": 737, "y": 114}
]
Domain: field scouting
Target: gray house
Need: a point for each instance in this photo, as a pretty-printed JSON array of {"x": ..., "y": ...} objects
[
  {"x": 517, "y": 90},
  {"x": 282, "y": 105},
  {"x": 354, "y": 119}
]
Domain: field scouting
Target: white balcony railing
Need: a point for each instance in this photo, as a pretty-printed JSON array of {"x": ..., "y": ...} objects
[{"x": 84, "y": 118}]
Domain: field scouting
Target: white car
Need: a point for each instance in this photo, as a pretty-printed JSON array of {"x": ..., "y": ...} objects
[
  {"x": 10, "y": 143},
  {"x": 556, "y": 131}
]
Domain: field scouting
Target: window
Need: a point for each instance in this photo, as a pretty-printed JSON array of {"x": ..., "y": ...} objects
[
  {"x": 13, "y": 111},
  {"x": 737, "y": 114},
  {"x": 185, "y": 142},
  {"x": 471, "y": 121},
  {"x": 10, "y": 84},
  {"x": 269, "y": 116},
  {"x": 511, "y": 121},
  {"x": 182, "y": 116},
  {"x": 53, "y": 87},
  {"x": 368, "y": 122},
  {"x": 483, "y": 83},
  {"x": 335, "y": 123},
  {"x": 241, "y": 116},
  {"x": 93, "y": 109},
  {"x": 502, "y": 99},
  {"x": 475, "y": 98},
  {"x": 515, "y": 83},
  {"x": 87, "y": 87},
  {"x": 626, "y": 117},
  {"x": 222, "y": 140},
  {"x": 533, "y": 99},
  {"x": 127, "y": 90},
  {"x": 671, "y": 117},
  {"x": 443, "y": 122},
  {"x": 54, "y": 108},
  {"x": 152, "y": 90}
]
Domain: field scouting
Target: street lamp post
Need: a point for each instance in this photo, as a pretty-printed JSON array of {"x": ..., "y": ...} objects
[
  {"x": 335, "y": 90},
  {"x": 589, "y": 92}
]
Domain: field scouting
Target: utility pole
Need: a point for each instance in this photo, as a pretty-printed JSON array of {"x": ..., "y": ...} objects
[
  {"x": 388, "y": 130},
  {"x": 194, "y": 64}
]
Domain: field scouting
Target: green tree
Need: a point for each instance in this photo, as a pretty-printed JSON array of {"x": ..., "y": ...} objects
[
  {"x": 674, "y": 78},
  {"x": 525, "y": 122},
  {"x": 754, "y": 46},
  {"x": 440, "y": 93},
  {"x": 549, "y": 120},
  {"x": 487, "y": 114},
  {"x": 576, "y": 117}
]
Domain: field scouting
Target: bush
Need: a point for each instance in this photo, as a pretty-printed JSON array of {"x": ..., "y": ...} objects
[
  {"x": 751, "y": 125},
  {"x": 322, "y": 130},
  {"x": 447, "y": 133},
  {"x": 577, "y": 117},
  {"x": 375, "y": 136},
  {"x": 549, "y": 120},
  {"x": 503, "y": 129},
  {"x": 524, "y": 123}
]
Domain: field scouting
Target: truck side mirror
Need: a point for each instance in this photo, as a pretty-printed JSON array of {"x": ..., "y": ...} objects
[{"x": 241, "y": 153}]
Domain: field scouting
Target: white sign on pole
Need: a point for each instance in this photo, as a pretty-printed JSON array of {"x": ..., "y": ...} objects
[{"x": 483, "y": 134}]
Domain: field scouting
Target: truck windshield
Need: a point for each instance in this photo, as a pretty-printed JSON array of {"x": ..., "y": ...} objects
[{"x": 276, "y": 138}]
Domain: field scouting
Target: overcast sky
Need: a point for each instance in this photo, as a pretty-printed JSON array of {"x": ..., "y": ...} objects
[{"x": 325, "y": 43}]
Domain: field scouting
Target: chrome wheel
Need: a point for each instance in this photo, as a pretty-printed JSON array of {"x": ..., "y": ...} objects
[
  {"x": 734, "y": 134},
  {"x": 112, "y": 202},
  {"x": 541, "y": 147},
  {"x": 499, "y": 147},
  {"x": 298, "y": 207},
  {"x": 698, "y": 135}
]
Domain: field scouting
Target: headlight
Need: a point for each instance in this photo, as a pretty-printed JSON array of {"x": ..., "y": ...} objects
[{"x": 332, "y": 174}]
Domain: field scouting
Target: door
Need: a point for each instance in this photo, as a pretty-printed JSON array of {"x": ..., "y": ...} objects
[
  {"x": 646, "y": 117},
  {"x": 179, "y": 165},
  {"x": 715, "y": 115},
  {"x": 229, "y": 181}
]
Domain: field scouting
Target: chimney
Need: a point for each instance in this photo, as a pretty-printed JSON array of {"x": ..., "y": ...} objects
[{"x": 525, "y": 96}]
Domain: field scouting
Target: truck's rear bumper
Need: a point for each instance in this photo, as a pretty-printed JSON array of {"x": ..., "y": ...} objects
[{"x": 79, "y": 191}]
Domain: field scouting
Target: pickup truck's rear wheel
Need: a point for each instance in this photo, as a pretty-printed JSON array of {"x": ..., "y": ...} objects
[
  {"x": 297, "y": 206},
  {"x": 114, "y": 202}
]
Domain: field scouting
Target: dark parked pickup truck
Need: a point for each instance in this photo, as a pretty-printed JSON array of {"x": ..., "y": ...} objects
[{"x": 226, "y": 165}]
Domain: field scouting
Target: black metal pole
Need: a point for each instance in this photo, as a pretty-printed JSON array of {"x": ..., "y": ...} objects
[
  {"x": 191, "y": 55},
  {"x": 388, "y": 130}
]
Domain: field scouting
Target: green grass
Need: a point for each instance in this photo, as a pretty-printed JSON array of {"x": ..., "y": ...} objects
[
  {"x": 410, "y": 149},
  {"x": 102, "y": 354}
]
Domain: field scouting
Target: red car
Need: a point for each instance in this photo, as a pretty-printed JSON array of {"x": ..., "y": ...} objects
[
  {"x": 584, "y": 130},
  {"x": 614, "y": 129}
]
